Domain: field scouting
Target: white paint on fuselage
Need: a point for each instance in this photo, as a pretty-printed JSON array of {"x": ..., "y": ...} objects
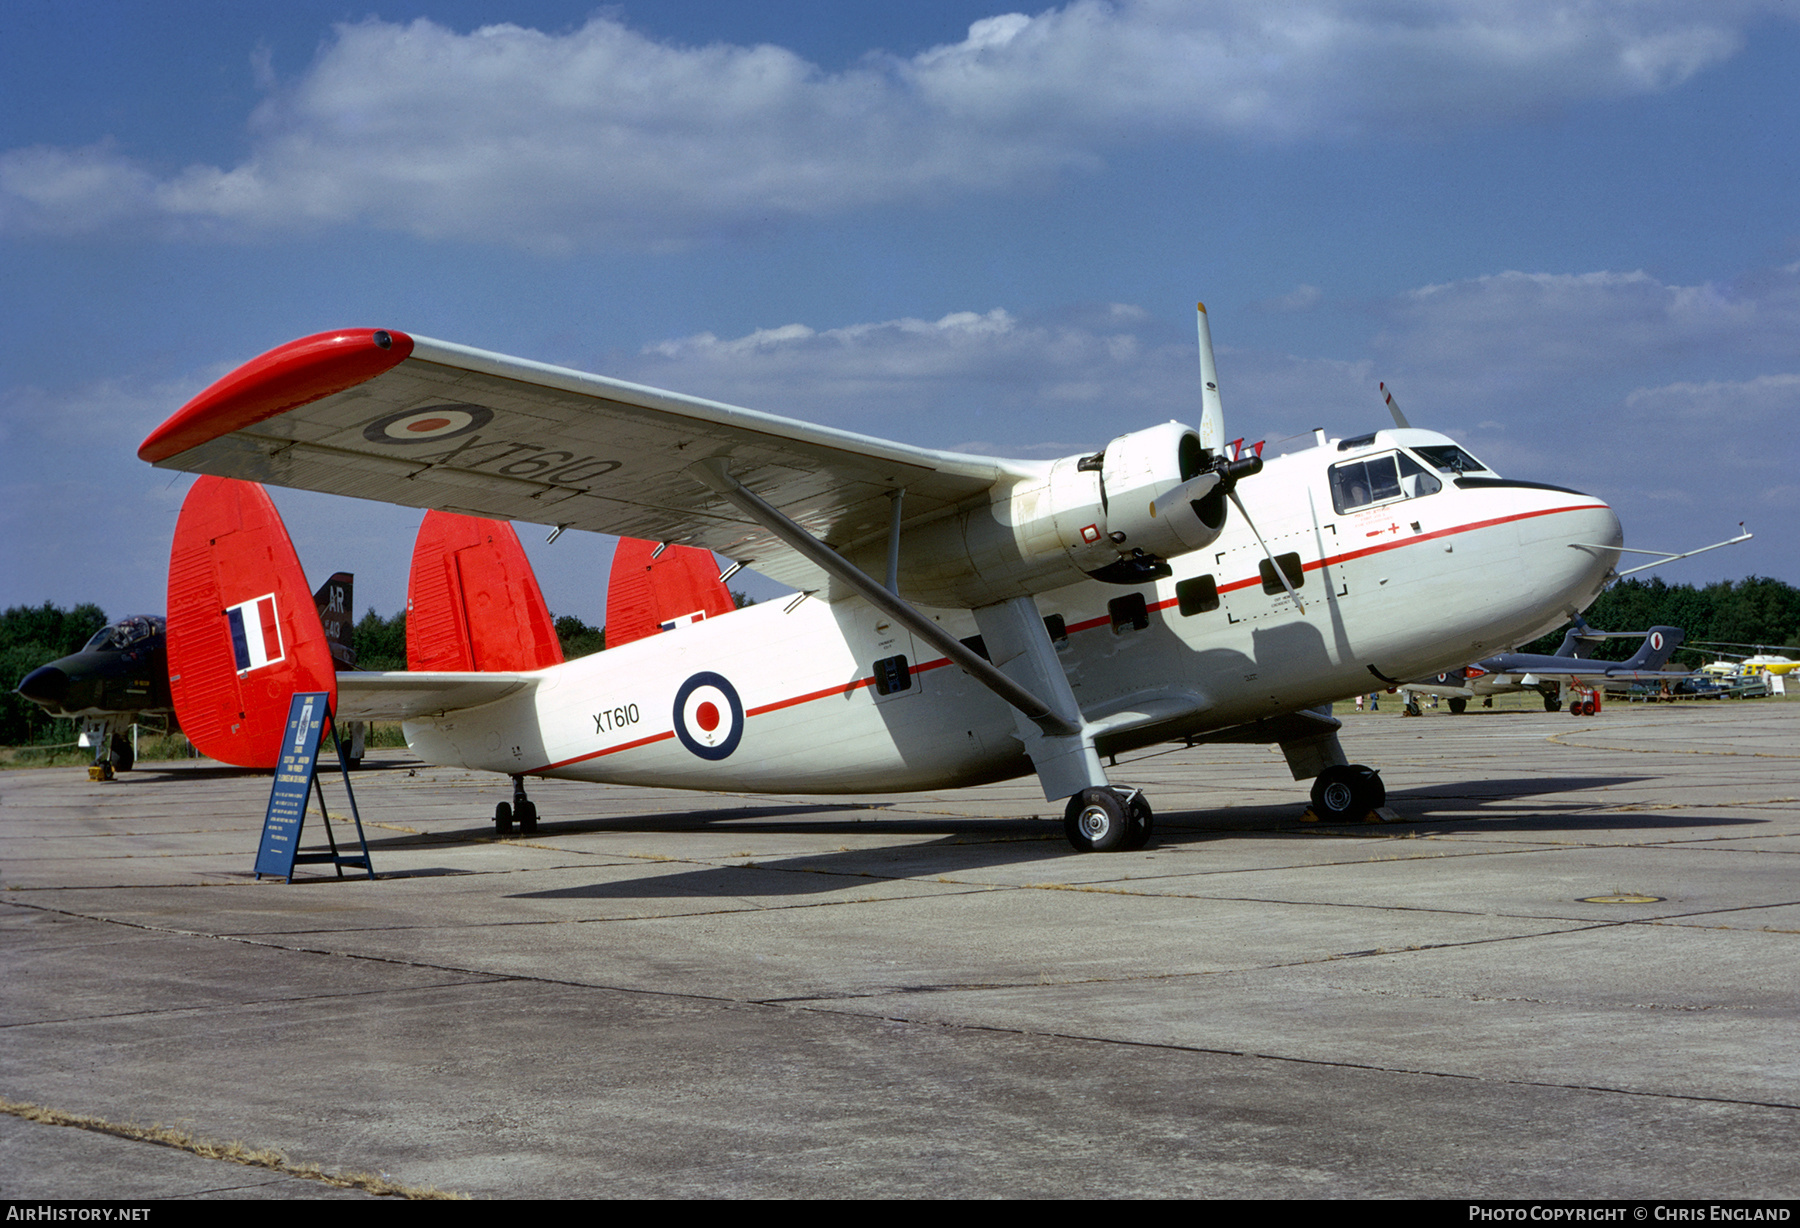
[{"x": 1410, "y": 587}]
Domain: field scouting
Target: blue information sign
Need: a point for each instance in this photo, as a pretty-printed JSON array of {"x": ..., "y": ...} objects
[{"x": 295, "y": 775}]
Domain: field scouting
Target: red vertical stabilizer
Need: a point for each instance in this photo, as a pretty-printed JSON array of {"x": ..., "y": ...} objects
[
  {"x": 243, "y": 632},
  {"x": 473, "y": 602},
  {"x": 646, "y": 595}
]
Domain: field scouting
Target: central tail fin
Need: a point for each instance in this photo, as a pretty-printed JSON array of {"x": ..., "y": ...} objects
[
  {"x": 244, "y": 634},
  {"x": 1659, "y": 643},
  {"x": 660, "y": 588},
  {"x": 473, "y": 601}
]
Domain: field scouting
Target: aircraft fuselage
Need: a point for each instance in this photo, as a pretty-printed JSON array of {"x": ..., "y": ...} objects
[{"x": 811, "y": 696}]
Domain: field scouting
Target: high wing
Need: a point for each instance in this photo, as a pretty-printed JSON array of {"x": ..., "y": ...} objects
[{"x": 383, "y": 415}]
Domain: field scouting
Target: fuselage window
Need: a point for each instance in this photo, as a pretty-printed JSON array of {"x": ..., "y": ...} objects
[
  {"x": 1197, "y": 596},
  {"x": 892, "y": 675},
  {"x": 1393, "y": 475},
  {"x": 1129, "y": 613},
  {"x": 1290, "y": 564}
]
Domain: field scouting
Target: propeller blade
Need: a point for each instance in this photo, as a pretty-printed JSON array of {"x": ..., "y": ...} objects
[
  {"x": 1195, "y": 488},
  {"x": 1212, "y": 412},
  {"x": 1394, "y": 408},
  {"x": 1280, "y": 574}
]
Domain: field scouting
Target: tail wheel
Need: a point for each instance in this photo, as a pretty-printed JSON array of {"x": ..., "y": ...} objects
[{"x": 1096, "y": 821}]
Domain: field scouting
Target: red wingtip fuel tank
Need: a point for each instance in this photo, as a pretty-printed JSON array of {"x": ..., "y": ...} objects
[
  {"x": 243, "y": 631},
  {"x": 473, "y": 602},
  {"x": 648, "y": 590},
  {"x": 287, "y": 376}
]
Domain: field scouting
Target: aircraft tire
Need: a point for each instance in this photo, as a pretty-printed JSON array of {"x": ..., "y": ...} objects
[
  {"x": 1142, "y": 822},
  {"x": 120, "y": 755},
  {"x": 526, "y": 813},
  {"x": 1344, "y": 793},
  {"x": 1552, "y": 704},
  {"x": 1459, "y": 706},
  {"x": 503, "y": 818},
  {"x": 1334, "y": 794},
  {"x": 1095, "y": 821}
]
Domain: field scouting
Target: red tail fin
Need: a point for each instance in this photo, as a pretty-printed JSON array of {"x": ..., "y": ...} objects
[
  {"x": 473, "y": 601},
  {"x": 243, "y": 632},
  {"x": 646, "y": 594}
]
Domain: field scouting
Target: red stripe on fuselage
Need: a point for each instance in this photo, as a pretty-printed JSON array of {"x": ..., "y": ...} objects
[{"x": 923, "y": 666}]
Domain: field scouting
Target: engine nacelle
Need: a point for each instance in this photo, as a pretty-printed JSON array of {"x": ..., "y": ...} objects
[
  {"x": 1138, "y": 474},
  {"x": 1115, "y": 516}
]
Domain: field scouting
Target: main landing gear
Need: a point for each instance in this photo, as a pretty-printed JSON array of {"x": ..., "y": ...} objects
[
  {"x": 522, "y": 809},
  {"x": 1109, "y": 820},
  {"x": 1347, "y": 792}
]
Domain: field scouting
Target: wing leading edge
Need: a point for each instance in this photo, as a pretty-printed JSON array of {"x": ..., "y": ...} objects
[{"x": 400, "y": 419}]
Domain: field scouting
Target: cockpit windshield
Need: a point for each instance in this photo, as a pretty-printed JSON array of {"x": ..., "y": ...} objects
[
  {"x": 125, "y": 633},
  {"x": 1448, "y": 458},
  {"x": 1392, "y": 475}
]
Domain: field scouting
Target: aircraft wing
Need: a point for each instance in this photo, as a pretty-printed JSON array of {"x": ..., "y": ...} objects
[
  {"x": 400, "y": 695},
  {"x": 401, "y": 419}
]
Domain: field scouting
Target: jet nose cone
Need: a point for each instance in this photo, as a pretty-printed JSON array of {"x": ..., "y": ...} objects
[{"x": 45, "y": 685}]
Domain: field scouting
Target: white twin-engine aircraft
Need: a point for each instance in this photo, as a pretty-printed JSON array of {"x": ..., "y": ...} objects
[{"x": 962, "y": 619}]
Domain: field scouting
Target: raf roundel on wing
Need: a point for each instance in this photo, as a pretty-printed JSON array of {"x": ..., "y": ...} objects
[
  {"x": 425, "y": 425},
  {"x": 709, "y": 716}
]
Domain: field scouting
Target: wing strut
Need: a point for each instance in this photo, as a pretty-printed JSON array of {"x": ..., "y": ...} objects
[{"x": 715, "y": 476}]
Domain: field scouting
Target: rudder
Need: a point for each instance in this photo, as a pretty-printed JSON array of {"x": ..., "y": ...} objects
[
  {"x": 244, "y": 634},
  {"x": 650, "y": 592},
  {"x": 473, "y": 602}
]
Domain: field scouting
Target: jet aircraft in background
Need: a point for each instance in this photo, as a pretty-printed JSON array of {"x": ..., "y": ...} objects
[
  {"x": 960, "y": 618},
  {"x": 1569, "y": 668}
]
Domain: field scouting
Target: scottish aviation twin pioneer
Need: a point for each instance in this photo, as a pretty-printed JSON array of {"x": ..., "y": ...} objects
[{"x": 961, "y": 618}]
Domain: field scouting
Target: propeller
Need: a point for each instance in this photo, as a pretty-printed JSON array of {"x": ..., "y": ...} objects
[
  {"x": 1394, "y": 409},
  {"x": 1228, "y": 471}
]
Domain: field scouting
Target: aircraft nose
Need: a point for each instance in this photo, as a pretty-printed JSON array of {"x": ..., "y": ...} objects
[{"x": 46, "y": 685}]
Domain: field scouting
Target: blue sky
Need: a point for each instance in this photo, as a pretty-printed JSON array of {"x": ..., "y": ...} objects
[{"x": 1565, "y": 233}]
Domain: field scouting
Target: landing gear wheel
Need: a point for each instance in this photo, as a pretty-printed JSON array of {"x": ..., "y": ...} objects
[
  {"x": 526, "y": 813},
  {"x": 1345, "y": 793},
  {"x": 120, "y": 756},
  {"x": 1096, "y": 821},
  {"x": 1552, "y": 704},
  {"x": 1141, "y": 821},
  {"x": 1458, "y": 706},
  {"x": 503, "y": 818}
]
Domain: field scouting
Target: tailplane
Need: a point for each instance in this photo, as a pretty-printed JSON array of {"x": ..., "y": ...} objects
[
  {"x": 473, "y": 601},
  {"x": 244, "y": 633}
]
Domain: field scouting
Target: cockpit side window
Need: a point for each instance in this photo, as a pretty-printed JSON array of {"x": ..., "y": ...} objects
[
  {"x": 1448, "y": 458},
  {"x": 1378, "y": 479}
]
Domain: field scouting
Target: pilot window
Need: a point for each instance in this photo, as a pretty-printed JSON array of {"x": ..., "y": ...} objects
[
  {"x": 1290, "y": 565},
  {"x": 1128, "y": 613},
  {"x": 1448, "y": 458},
  {"x": 1197, "y": 596},
  {"x": 1393, "y": 475}
]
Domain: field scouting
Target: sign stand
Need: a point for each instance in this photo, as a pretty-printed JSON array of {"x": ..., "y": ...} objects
[{"x": 297, "y": 777}]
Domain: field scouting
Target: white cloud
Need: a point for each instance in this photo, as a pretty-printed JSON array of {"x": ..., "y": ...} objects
[{"x": 605, "y": 137}]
